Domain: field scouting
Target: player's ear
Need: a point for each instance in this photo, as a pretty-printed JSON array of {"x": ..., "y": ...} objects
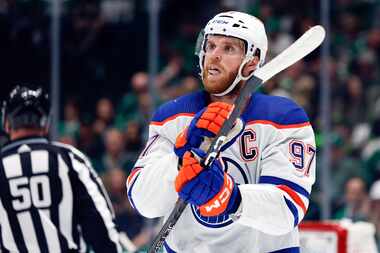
[{"x": 250, "y": 66}]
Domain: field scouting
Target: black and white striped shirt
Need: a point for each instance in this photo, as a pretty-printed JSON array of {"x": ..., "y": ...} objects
[{"x": 50, "y": 198}]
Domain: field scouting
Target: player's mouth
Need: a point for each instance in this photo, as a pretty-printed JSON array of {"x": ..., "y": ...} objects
[{"x": 213, "y": 71}]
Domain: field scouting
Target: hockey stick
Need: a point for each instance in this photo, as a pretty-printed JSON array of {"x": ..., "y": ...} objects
[{"x": 309, "y": 41}]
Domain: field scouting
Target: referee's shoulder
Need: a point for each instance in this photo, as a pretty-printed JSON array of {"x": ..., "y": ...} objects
[{"x": 76, "y": 153}]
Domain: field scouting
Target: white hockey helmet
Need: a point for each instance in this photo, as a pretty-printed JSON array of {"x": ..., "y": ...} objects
[{"x": 239, "y": 25}]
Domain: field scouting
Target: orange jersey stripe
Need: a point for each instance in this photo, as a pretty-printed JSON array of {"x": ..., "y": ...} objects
[
  {"x": 279, "y": 126},
  {"x": 132, "y": 175},
  {"x": 294, "y": 196},
  {"x": 160, "y": 123}
]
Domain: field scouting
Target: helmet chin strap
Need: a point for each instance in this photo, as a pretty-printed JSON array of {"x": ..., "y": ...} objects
[{"x": 238, "y": 78}]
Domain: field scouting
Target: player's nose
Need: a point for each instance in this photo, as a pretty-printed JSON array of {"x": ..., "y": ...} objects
[{"x": 216, "y": 54}]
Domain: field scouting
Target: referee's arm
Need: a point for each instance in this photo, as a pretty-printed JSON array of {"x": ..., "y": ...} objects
[{"x": 94, "y": 211}]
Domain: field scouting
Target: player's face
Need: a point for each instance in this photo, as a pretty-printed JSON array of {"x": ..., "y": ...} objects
[{"x": 222, "y": 61}]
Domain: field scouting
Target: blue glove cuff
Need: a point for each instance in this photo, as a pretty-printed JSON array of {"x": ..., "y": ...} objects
[{"x": 235, "y": 200}]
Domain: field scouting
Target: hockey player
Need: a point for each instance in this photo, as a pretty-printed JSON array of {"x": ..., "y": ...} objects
[{"x": 254, "y": 196}]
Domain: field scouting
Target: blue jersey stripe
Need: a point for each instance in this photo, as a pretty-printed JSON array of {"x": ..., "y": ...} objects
[
  {"x": 280, "y": 181},
  {"x": 279, "y": 110},
  {"x": 129, "y": 193},
  {"x": 287, "y": 250},
  {"x": 293, "y": 209},
  {"x": 191, "y": 103}
]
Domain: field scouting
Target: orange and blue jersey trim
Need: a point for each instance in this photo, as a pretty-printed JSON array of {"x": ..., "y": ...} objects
[
  {"x": 253, "y": 122},
  {"x": 279, "y": 126},
  {"x": 280, "y": 112},
  {"x": 280, "y": 181},
  {"x": 187, "y": 105},
  {"x": 294, "y": 196},
  {"x": 173, "y": 117},
  {"x": 131, "y": 182},
  {"x": 292, "y": 190},
  {"x": 293, "y": 210},
  {"x": 132, "y": 177}
]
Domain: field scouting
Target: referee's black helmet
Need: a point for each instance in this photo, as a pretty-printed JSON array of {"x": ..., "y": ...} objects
[{"x": 26, "y": 108}]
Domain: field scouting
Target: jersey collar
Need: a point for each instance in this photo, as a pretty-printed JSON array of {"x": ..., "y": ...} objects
[{"x": 25, "y": 140}]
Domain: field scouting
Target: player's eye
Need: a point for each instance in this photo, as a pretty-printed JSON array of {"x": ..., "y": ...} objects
[
  {"x": 229, "y": 49},
  {"x": 209, "y": 47}
]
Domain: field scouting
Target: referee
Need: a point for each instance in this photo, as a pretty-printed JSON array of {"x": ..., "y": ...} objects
[{"x": 50, "y": 197}]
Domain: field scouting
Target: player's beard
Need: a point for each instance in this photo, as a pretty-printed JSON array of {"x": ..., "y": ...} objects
[{"x": 220, "y": 84}]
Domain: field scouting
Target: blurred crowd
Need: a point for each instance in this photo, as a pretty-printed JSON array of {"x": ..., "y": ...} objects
[{"x": 107, "y": 97}]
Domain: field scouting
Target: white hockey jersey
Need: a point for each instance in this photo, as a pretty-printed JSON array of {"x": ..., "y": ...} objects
[{"x": 273, "y": 162}]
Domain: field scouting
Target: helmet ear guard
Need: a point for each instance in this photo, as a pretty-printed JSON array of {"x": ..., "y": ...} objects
[
  {"x": 199, "y": 44},
  {"x": 239, "y": 25}
]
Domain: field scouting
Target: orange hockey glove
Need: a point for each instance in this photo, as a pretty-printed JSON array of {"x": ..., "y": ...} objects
[
  {"x": 211, "y": 189},
  {"x": 206, "y": 124}
]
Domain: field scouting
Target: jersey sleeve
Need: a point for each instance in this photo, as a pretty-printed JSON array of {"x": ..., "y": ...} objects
[
  {"x": 150, "y": 185},
  {"x": 95, "y": 213},
  {"x": 278, "y": 203}
]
